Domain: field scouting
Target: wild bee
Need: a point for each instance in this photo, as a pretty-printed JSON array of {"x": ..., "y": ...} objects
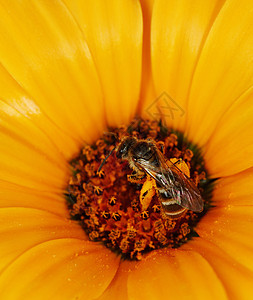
[{"x": 176, "y": 191}]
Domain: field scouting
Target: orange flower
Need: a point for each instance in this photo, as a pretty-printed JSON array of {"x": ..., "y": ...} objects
[{"x": 69, "y": 69}]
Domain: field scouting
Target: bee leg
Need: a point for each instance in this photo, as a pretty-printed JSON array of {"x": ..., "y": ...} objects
[
  {"x": 181, "y": 165},
  {"x": 147, "y": 193},
  {"x": 179, "y": 161},
  {"x": 136, "y": 177}
]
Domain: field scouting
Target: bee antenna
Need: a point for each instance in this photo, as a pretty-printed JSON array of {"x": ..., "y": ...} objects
[{"x": 103, "y": 162}]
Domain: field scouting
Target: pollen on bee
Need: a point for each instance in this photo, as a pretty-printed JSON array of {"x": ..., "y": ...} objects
[{"x": 118, "y": 204}]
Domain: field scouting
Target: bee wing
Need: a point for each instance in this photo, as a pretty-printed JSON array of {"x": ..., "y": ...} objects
[
  {"x": 173, "y": 180},
  {"x": 159, "y": 173},
  {"x": 187, "y": 192}
]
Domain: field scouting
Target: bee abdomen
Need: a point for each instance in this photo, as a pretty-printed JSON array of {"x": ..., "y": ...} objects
[
  {"x": 170, "y": 207},
  {"x": 164, "y": 193}
]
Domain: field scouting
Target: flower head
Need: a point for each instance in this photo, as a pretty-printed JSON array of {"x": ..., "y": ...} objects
[{"x": 70, "y": 70}]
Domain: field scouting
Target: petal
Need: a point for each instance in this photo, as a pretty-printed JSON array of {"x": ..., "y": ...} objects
[
  {"x": 113, "y": 30},
  {"x": 20, "y": 128},
  {"x": 60, "y": 269},
  {"x": 230, "y": 228},
  {"x": 118, "y": 286},
  {"x": 23, "y": 228},
  {"x": 28, "y": 156},
  {"x": 236, "y": 279},
  {"x": 147, "y": 94},
  {"x": 21, "y": 115},
  {"x": 224, "y": 70},
  {"x": 52, "y": 63},
  {"x": 13, "y": 195},
  {"x": 179, "y": 29},
  {"x": 175, "y": 274},
  {"x": 234, "y": 190},
  {"x": 24, "y": 165},
  {"x": 230, "y": 148}
]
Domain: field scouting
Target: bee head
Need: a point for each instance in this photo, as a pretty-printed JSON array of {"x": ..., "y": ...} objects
[{"x": 124, "y": 146}]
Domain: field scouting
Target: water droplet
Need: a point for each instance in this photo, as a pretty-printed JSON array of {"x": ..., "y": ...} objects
[{"x": 228, "y": 207}]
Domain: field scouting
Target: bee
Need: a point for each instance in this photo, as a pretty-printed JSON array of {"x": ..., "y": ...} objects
[{"x": 176, "y": 191}]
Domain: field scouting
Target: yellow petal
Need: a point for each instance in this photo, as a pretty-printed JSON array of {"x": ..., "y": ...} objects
[
  {"x": 230, "y": 148},
  {"x": 13, "y": 195},
  {"x": 113, "y": 30},
  {"x": 179, "y": 29},
  {"x": 24, "y": 165},
  {"x": 46, "y": 53},
  {"x": 230, "y": 228},
  {"x": 23, "y": 228},
  {"x": 28, "y": 156},
  {"x": 60, "y": 269},
  {"x": 21, "y": 115},
  {"x": 147, "y": 94},
  {"x": 20, "y": 128},
  {"x": 175, "y": 274},
  {"x": 234, "y": 190},
  {"x": 118, "y": 286},
  {"x": 224, "y": 70},
  {"x": 236, "y": 279}
]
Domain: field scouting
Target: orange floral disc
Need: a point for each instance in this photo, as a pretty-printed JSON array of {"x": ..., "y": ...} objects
[{"x": 134, "y": 200}]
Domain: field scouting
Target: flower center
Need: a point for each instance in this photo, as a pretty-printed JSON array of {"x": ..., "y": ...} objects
[{"x": 139, "y": 188}]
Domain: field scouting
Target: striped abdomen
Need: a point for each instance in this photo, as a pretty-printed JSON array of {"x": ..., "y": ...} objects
[{"x": 170, "y": 208}]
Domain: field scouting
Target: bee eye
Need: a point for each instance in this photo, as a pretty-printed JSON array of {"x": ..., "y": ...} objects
[
  {"x": 123, "y": 150},
  {"x": 120, "y": 153}
]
